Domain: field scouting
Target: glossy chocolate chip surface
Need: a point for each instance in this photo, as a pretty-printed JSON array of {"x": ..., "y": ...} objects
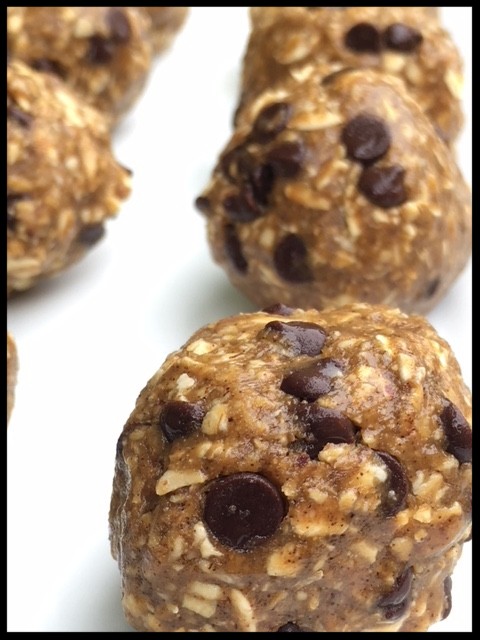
[
  {"x": 271, "y": 121},
  {"x": 312, "y": 381},
  {"x": 366, "y": 137},
  {"x": 323, "y": 426},
  {"x": 179, "y": 419},
  {"x": 458, "y": 434},
  {"x": 401, "y": 37},
  {"x": 395, "y": 603},
  {"x": 292, "y": 627},
  {"x": 243, "y": 510},
  {"x": 304, "y": 338},
  {"x": 286, "y": 158},
  {"x": 384, "y": 186},
  {"x": 397, "y": 492},
  {"x": 279, "y": 309},
  {"x": 241, "y": 207},
  {"x": 447, "y": 590}
]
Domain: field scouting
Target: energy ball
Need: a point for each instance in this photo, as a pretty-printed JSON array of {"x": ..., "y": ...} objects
[
  {"x": 289, "y": 44},
  {"x": 104, "y": 53},
  {"x": 166, "y": 22},
  {"x": 339, "y": 192},
  {"x": 292, "y": 470},
  {"x": 12, "y": 369},
  {"x": 62, "y": 180}
]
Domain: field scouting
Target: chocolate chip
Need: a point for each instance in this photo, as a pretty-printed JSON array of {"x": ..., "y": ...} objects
[
  {"x": 291, "y": 259},
  {"x": 90, "y": 234},
  {"x": 286, "y": 158},
  {"x": 304, "y": 338},
  {"x": 401, "y": 37},
  {"x": 100, "y": 50},
  {"x": 432, "y": 288},
  {"x": 279, "y": 309},
  {"x": 236, "y": 163},
  {"x": 363, "y": 38},
  {"x": 19, "y": 116},
  {"x": 291, "y": 626},
  {"x": 12, "y": 199},
  {"x": 179, "y": 419},
  {"x": 119, "y": 26},
  {"x": 233, "y": 248},
  {"x": 397, "y": 485},
  {"x": 261, "y": 179},
  {"x": 203, "y": 204},
  {"x": 49, "y": 66},
  {"x": 457, "y": 431},
  {"x": 323, "y": 426},
  {"x": 309, "y": 383},
  {"x": 241, "y": 207},
  {"x": 383, "y": 186},
  {"x": 447, "y": 589},
  {"x": 243, "y": 510},
  {"x": 396, "y": 601},
  {"x": 271, "y": 121},
  {"x": 366, "y": 137}
]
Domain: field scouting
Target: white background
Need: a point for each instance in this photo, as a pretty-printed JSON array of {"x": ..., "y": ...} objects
[{"x": 90, "y": 340}]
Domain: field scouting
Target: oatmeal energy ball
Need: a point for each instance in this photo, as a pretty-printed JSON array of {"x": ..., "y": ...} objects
[
  {"x": 336, "y": 192},
  {"x": 289, "y": 44},
  {"x": 62, "y": 180},
  {"x": 292, "y": 470},
  {"x": 104, "y": 53},
  {"x": 166, "y": 22},
  {"x": 12, "y": 369}
]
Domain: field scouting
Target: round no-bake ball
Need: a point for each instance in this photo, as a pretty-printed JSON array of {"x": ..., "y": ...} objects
[
  {"x": 104, "y": 53},
  {"x": 62, "y": 180},
  {"x": 292, "y": 470},
  {"x": 335, "y": 192},
  {"x": 289, "y": 44}
]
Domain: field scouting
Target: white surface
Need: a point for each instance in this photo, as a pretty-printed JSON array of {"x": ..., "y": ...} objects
[{"x": 89, "y": 341}]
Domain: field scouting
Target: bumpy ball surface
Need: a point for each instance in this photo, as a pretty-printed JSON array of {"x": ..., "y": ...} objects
[{"x": 293, "y": 470}]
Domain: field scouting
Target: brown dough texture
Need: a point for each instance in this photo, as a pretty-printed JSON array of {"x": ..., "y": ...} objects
[
  {"x": 62, "y": 181},
  {"x": 336, "y": 192},
  {"x": 12, "y": 369},
  {"x": 166, "y": 22},
  {"x": 103, "y": 53},
  {"x": 292, "y": 470},
  {"x": 289, "y": 44}
]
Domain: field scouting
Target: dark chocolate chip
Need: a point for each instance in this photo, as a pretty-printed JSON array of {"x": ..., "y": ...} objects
[
  {"x": 203, "y": 204},
  {"x": 401, "y": 37},
  {"x": 291, "y": 626},
  {"x": 19, "y": 116},
  {"x": 383, "y": 186},
  {"x": 304, "y": 338},
  {"x": 447, "y": 589},
  {"x": 100, "y": 50},
  {"x": 286, "y": 158},
  {"x": 90, "y": 234},
  {"x": 119, "y": 25},
  {"x": 46, "y": 65},
  {"x": 279, "y": 309},
  {"x": 291, "y": 259},
  {"x": 233, "y": 248},
  {"x": 363, "y": 38},
  {"x": 261, "y": 179},
  {"x": 432, "y": 288},
  {"x": 236, "y": 163},
  {"x": 12, "y": 199},
  {"x": 242, "y": 207},
  {"x": 271, "y": 121},
  {"x": 323, "y": 426},
  {"x": 396, "y": 601},
  {"x": 309, "y": 383},
  {"x": 179, "y": 419},
  {"x": 366, "y": 137},
  {"x": 397, "y": 485},
  {"x": 243, "y": 510},
  {"x": 457, "y": 431}
]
